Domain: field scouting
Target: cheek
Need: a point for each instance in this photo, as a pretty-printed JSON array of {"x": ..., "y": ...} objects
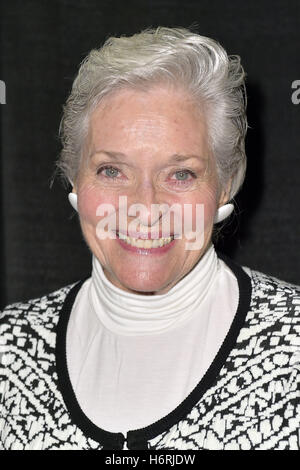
[
  {"x": 208, "y": 200},
  {"x": 89, "y": 199},
  {"x": 210, "y": 203}
]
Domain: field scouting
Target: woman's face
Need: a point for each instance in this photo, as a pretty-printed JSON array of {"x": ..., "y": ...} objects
[{"x": 151, "y": 148}]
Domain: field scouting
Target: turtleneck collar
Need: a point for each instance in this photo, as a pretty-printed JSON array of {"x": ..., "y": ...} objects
[{"x": 127, "y": 313}]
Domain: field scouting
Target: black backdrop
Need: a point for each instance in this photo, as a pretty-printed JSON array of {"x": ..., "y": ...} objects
[{"x": 42, "y": 44}]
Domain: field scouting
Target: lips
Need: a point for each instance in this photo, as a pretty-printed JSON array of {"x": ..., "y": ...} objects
[{"x": 145, "y": 246}]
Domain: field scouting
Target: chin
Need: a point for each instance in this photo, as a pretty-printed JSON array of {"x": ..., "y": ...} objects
[{"x": 142, "y": 282}]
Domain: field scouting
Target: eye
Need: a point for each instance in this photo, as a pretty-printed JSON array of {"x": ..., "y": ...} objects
[
  {"x": 184, "y": 175},
  {"x": 109, "y": 171}
]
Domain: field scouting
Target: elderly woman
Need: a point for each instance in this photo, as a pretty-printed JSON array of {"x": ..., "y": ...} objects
[{"x": 167, "y": 345}]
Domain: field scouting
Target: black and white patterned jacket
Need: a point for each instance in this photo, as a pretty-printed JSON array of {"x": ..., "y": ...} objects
[{"x": 248, "y": 399}]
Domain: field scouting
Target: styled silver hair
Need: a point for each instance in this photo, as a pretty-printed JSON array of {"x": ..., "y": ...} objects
[{"x": 214, "y": 80}]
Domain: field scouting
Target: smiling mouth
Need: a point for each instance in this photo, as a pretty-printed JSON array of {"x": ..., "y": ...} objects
[{"x": 145, "y": 243}]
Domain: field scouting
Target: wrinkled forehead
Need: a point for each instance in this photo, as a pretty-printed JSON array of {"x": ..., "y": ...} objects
[{"x": 157, "y": 120}]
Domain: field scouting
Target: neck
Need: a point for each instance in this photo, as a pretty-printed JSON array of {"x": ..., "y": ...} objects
[{"x": 130, "y": 313}]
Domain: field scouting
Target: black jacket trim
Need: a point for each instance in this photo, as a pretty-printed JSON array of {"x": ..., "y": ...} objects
[{"x": 138, "y": 439}]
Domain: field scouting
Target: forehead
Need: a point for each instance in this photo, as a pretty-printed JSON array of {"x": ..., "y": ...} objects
[{"x": 158, "y": 116}]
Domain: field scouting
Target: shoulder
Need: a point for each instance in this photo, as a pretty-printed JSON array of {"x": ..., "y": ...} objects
[
  {"x": 28, "y": 336},
  {"x": 271, "y": 298},
  {"x": 273, "y": 312},
  {"x": 34, "y": 313},
  {"x": 273, "y": 321},
  {"x": 274, "y": 294}
]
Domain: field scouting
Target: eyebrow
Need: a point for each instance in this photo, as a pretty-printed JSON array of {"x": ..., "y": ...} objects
[{"x": 175, "y": 157}]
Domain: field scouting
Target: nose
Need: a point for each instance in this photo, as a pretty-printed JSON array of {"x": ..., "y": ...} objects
[{"x": 144, "y": 204}]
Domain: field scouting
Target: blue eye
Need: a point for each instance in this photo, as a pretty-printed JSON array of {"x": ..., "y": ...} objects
[
  {"x": 183, "y": 175},
  {"x": 110, "y": 171}
]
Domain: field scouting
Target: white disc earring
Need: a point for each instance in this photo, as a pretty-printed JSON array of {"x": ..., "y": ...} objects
[
  {"x": 73, "y": 200},
  {"x": 223, "y": 212}
]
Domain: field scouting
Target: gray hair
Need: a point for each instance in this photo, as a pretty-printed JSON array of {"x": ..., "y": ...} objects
[{"x": 179, "y": 56}]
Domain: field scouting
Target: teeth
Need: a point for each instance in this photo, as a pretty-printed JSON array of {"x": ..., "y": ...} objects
[{"x": 139, "y": 243}]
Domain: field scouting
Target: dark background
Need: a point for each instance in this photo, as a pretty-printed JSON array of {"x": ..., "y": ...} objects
[{"x": 42, "y": 44}]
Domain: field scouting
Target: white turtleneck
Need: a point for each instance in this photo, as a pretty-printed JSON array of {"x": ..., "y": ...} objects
[{"x": 134, "y": 358}]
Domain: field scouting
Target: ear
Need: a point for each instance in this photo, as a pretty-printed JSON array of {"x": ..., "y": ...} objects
[{"x": 224, "y": 196}]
